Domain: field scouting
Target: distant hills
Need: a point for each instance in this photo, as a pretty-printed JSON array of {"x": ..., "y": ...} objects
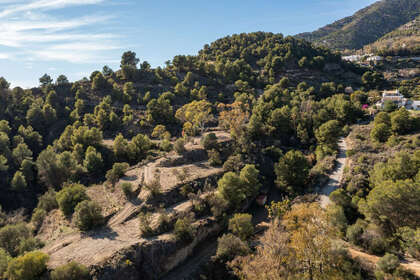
[{"x": 381, "y": 20}]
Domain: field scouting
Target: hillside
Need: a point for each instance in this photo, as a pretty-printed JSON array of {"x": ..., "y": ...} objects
[
  {"x": 403, "y": 41},
  {"x": 365, "y": 26},
  {"x": 124, "y": 174}
]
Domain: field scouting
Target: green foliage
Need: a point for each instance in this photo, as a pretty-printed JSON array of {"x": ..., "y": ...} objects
[
  {"x": 179, "y": 146},
  {"x": 236, "y": 188},
  {"x": 38, "y": 217},
  {"x": 11, "y": 237},
  {"x": 48, "y": 201},
  {"x": 276, "y": 210},
  {"x": 241, "y": 226},
  {"x": 229, "y": 246},
  {"x": 388, "y": 263},
  {"x": 401, "y": 122},
  {"x": 18, "y": 182},
  {"x": 380, "y": 132},
  {"x": 209, "y": 141},
  {"x": 183, "y": 229},
  {"x": 118, "y": 170},
  {"x": 28, "y": 267},
  {"x": 70, "y": 271},
  {"x": 214, "y": 157},
  {"x": 4, "y": 261},
  {"x": 127, "y": 189},
  {"x": 70, "y": 196},
  {"x": 88, "y": 215},
  {"x": 93, "y": 161},
  {"x": 292, "y": 171}
]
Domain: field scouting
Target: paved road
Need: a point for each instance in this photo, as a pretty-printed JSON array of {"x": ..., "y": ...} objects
[{"x": 336, "y": 176}]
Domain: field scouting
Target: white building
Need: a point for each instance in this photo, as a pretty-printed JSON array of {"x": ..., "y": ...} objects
[{"x": 394, "y": 96}]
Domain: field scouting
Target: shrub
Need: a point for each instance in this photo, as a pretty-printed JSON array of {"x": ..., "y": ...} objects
[
  {"x": 27, "y": 267},
  {"x": 214, "y": 158},
  {"x": 209, "y": 141},
  {"x": 29, "y": 244},
  {"x": 38, "y": 217},
  {"x": 4, "y": 261},
  {"x": 354, "y": 232},
  {"x": 88, "y": 215},
  {"x": 70, "y": 196},
  {"x": 180, "y": 146},
  {"x": 229, "y": 246},
  {"x": 183, "y": 229},
  {"x": 127, "y": 189},
  {"x": 48, "y": 201},
  {"x": 154, "y": 187},
  {"x": 388, "y": 263},
  {"x": 70, "y": 271},
  {"x": 118, "y": 170},
  {"x": 145, "y": 220},
  {"x": 233, "y": 163},
  {"x": 165, "y": 145},
  {"x": 380, "y": 133},
  {"x": 11, "y": 236},
  {"x": 241, "y": 226}
]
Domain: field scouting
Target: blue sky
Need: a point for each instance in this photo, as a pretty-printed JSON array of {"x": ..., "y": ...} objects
[{"x": 76, "y": 37}]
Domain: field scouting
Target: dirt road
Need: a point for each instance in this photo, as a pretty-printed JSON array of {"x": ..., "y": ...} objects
[{"x": 336, "y": 176}]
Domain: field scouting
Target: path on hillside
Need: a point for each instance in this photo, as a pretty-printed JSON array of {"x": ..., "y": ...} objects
[
  {"x": 335, "y": 177},
  {"x": 409, "y": 264},
  {"x": 207, "y": 249}
]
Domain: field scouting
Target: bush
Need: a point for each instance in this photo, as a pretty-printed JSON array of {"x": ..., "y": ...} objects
[
  {"x": 4, "y": 261},
  {"x": 209, "y": 141},
  {"x": 214, "y": 158},
  {"x": 88, "y": 215},
  {"x": 229, "y": 246},
  {"x": 180, "y": 146},
  {"x": 380, "y": 133},
  {"x": 38, "y": 217},
  {"x": 165, "y": 145},
  {"x": 127, "y": 189},
  {"x": 48, "y": 201},
  {"x": 30, "y": 244},
  {"x": 354, "y": 232},
  {"x": 118, "y": 170},
  {"x": 145, "y": 220},
  {"x": 28, "y": 267},
  {"x": 154, "y": 187},
  {"x": 11, "y": 236},
  {"x": 388, "y": 263},
  {"x": 70, "y": 196},
  {"x": 70, "y": 271},
  {"x": 241, "y": 226},
  {"x": 183, "y": 229}
]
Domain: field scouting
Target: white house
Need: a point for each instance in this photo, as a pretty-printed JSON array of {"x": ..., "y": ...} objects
[{"x": 394, "y": 96}]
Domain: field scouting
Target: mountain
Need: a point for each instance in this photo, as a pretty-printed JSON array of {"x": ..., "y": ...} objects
[
  {"x": 405, "y": 40},
  {"x": 365, "y": 26}
]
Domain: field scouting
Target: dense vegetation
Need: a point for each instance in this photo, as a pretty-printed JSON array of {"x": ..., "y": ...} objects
[
  {"x": 365, "y": 26},
  {"x": 278, "y": 99}
]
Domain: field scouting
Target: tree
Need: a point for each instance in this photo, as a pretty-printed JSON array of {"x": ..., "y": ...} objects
[
  {"x": 179, "y": 146},
  {"x": 241, "y": 226},
  {"x": 183, "y": 229},
  {"x": 3, "y": 164},
  {"x": 70, "y": 196},
  {"x": 118, "y": 170},
  {"x": 292, "y": 172},
  {"x": 249, "y": 176},
  {"x": 129, "y": 59},
  {"x": 99, "y": 82},
  {"x": 4, "y": 84},
  {"x": 93, "y": 161},
  {"x": 328, "y": 133},
  {"x": 382, "y": 117},
  {"x": 62, "y": 80},
  {"x": 209, "y": 141},
  {"x": 45, "y": 80},
  {"x": 393, "y": 204},
  {"x": 71, "y": 271},
  {"x": 380, "y": 133},
  {"x": 20, "y": 153},
  {"x": 401, "y": 121},
  {"x": 107, "y": 71},
  {"x": 88, "y": 215},
  {"x": 197, "y": 112},
  {"x": 11, "y": 236},
  {"x": 18, "y": 182},
  {"x": 27, "y": 267},
  {"x": 229, "y": 246}
]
